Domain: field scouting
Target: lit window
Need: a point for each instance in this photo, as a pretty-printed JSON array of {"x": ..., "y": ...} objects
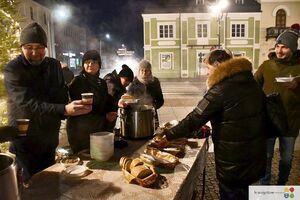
[
  {"x": 239, "y": 1},
  {"x": 238, "y": 30}
]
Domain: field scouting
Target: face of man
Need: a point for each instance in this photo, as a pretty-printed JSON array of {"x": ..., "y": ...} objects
[
  {"x": 91, "y": 66},
  {"x": 34, "y": 53},
  {"x": 283, "y": 52},
  {"x": 145, "y": 73}
]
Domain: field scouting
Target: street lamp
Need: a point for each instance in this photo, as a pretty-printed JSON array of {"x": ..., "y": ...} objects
[
  {"x": 107, "y": 37},
  {"x": 217, "y": 10}
]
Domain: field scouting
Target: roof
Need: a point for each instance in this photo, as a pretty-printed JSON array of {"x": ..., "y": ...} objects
[{"x": 190, "y": 6}]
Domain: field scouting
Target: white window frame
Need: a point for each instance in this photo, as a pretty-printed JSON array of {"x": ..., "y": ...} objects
[
  {"x": 166, "y": 65},
  {"x": 166, "y": 24},
  {"x": 238, "y": 53},
  {"x": 239, "y": 23},
  {"x": 207, "y": 30}
]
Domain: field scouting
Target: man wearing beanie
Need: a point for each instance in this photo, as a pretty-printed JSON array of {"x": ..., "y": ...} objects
[
  {"x": 117, "y": 83},
  {"x": 285, "y": 63},
  {"x": 36, "y": 90}
]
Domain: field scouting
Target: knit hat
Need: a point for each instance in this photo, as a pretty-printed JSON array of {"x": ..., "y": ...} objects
[
  {"x": 33, "y": 33},
  {"x": 126, "y": 72},
  {"x": 91, "y": 55},
  {"x": 289, "y": 39}
]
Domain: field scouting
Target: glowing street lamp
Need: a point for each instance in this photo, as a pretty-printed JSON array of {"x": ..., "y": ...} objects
[
  {"x": 107, "y": 37},
  {"x": 217, "y": 10}
]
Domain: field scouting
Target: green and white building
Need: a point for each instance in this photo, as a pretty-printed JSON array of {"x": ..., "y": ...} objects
[{"x": 178, "y": 34}]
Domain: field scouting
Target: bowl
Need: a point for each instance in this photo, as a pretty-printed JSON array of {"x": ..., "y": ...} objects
[{"x": 70, "y": 161}]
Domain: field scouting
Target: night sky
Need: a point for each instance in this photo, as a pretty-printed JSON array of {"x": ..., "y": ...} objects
[{"x": 121, "y": 18}]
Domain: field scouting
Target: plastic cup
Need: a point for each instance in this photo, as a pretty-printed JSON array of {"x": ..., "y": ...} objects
[
  {"x": 23, "y": 126},
  {"x": 87, "y": 98}
]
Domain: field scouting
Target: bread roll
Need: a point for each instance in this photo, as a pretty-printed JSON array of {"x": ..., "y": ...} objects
[{"x": 141, "y": 171}]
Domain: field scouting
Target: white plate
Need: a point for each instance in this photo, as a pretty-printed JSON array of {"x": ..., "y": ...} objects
[
  {"x": 284, "y": 79},
  {"x": 75, "y": 171}
]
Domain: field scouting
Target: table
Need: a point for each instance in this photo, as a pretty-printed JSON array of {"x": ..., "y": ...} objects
[{"x": 107, "y": 182}]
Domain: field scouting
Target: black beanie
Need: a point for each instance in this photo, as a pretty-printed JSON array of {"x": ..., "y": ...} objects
[
  {"x": 91, "y": 55},
  {"x": 126, "y": 72},
  {"x": 33, "y": 33}
]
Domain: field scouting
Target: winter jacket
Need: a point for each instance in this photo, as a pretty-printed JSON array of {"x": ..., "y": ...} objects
[
  {"x": 234, "y": 104},
  {"x": 68, "y": 75},
  {"x": 115, "y": 89},
  {"x": 39, "y": 94},
  {"x": 265, "y": 76},
  {"x": 79, "y": 128}
]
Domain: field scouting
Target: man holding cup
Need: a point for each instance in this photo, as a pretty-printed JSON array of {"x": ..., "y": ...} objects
[{"x": 37, "y": 92}]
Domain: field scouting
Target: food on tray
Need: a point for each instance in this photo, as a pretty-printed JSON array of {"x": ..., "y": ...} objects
[
  {"x": 127, "y": 97},
  {"x": 163, "y": 159},
  {"x": 137, "y": 171}
]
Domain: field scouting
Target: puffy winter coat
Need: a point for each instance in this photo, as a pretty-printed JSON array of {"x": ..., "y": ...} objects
[
  {"x": 265, "y": 76},
  {"x": 234, "y": 106}
]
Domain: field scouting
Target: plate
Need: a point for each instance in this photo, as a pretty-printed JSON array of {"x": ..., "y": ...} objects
[
  {"x": 284, "y": 79},
  {"x": 75, "y": 171}
]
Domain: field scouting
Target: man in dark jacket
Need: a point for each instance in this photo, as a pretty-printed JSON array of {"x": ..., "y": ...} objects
[
  {"x": 234, "y": 105},
  {"x": 67, "y": 73},
  {"x": 36, "y": 90},
  {"x": 117, "y": 83},
  {"x": 284, "y": 62}
]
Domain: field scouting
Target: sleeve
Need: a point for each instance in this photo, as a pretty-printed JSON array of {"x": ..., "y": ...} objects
[
  {"x": 207, "y": 108},
  {"x": 23, "y": 97},
  {"x": 158, "y": 100},
  {"x": 258, "y": 76}
]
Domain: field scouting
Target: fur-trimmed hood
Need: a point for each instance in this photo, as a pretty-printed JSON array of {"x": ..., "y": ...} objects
[{"x": 227, "y": 69}]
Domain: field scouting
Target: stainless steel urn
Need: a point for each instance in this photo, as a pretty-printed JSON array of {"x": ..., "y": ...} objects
[
  {"x": 137, "y": 121},
  {"x": 8, "y": 178}
]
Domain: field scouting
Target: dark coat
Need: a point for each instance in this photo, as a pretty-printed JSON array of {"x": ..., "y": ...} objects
[
  {"x": 115, "y": 88},
  {"x": 234, "y": 104},
  {"x": 265, "y": 76},
  {"x": 37, "y": 93},
  {"x": 68, "y": 75},
  {"x": 79, "y": 128}
]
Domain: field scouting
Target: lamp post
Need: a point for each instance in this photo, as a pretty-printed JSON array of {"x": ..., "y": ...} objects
[
  {"x": 217, "y": 10},
  {"x": 107, "y": 37}
]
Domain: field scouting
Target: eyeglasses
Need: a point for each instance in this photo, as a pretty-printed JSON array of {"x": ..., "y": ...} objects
[
  {"x": 90, "y": 62},
  {"x": 34, "y": 48}
]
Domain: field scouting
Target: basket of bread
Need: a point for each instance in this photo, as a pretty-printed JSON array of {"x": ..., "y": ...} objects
[{"x": 137, "y": 171}]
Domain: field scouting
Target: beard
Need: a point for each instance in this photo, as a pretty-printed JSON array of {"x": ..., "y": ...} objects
[{"x": 35, "y": 62}]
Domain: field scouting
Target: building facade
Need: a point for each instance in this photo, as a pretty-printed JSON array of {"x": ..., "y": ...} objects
[
  {"x": 31, "y": 11},
  {"x": 179, "y": 35},
  {"x": 277, "y": 16}
]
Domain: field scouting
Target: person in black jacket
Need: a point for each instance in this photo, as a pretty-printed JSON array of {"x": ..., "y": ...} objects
[
  {"x": 234, "y": 104},
  {"x": 36, "y": 90},
  {"x": 146, "y": 88},
  {"x": 117, "y": 83},
  {"x": 79, "y": 128}
]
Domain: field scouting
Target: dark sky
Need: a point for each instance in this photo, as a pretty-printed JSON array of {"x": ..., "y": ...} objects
[{"x": 121, "y": 18}]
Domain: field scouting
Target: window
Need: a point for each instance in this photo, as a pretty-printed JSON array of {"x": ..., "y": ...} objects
[
  {"x": 45, "y": 19},
  {"x": 280, "y": 18},
  {"x": 202, "y": 30},
  {"x": 200, "y": 2},
  {"x": 238, "y": 30},
  {"x": 31, "y": 13},
  {"x": 166, "y": 31},
  {"x": 166, "y": 61},
  {"x": 239, "y": 1}
]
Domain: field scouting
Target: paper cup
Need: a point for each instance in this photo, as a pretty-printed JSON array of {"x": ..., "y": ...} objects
[
  {"x": 87, "y": 98},
  {"x": 23, "y": 126}
]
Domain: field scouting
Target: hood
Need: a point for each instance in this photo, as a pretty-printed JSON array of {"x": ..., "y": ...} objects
[{"x": 228, "y": 69}]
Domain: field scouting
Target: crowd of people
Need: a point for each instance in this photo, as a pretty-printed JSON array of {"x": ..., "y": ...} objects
[{"x": 38, "y": 88}]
